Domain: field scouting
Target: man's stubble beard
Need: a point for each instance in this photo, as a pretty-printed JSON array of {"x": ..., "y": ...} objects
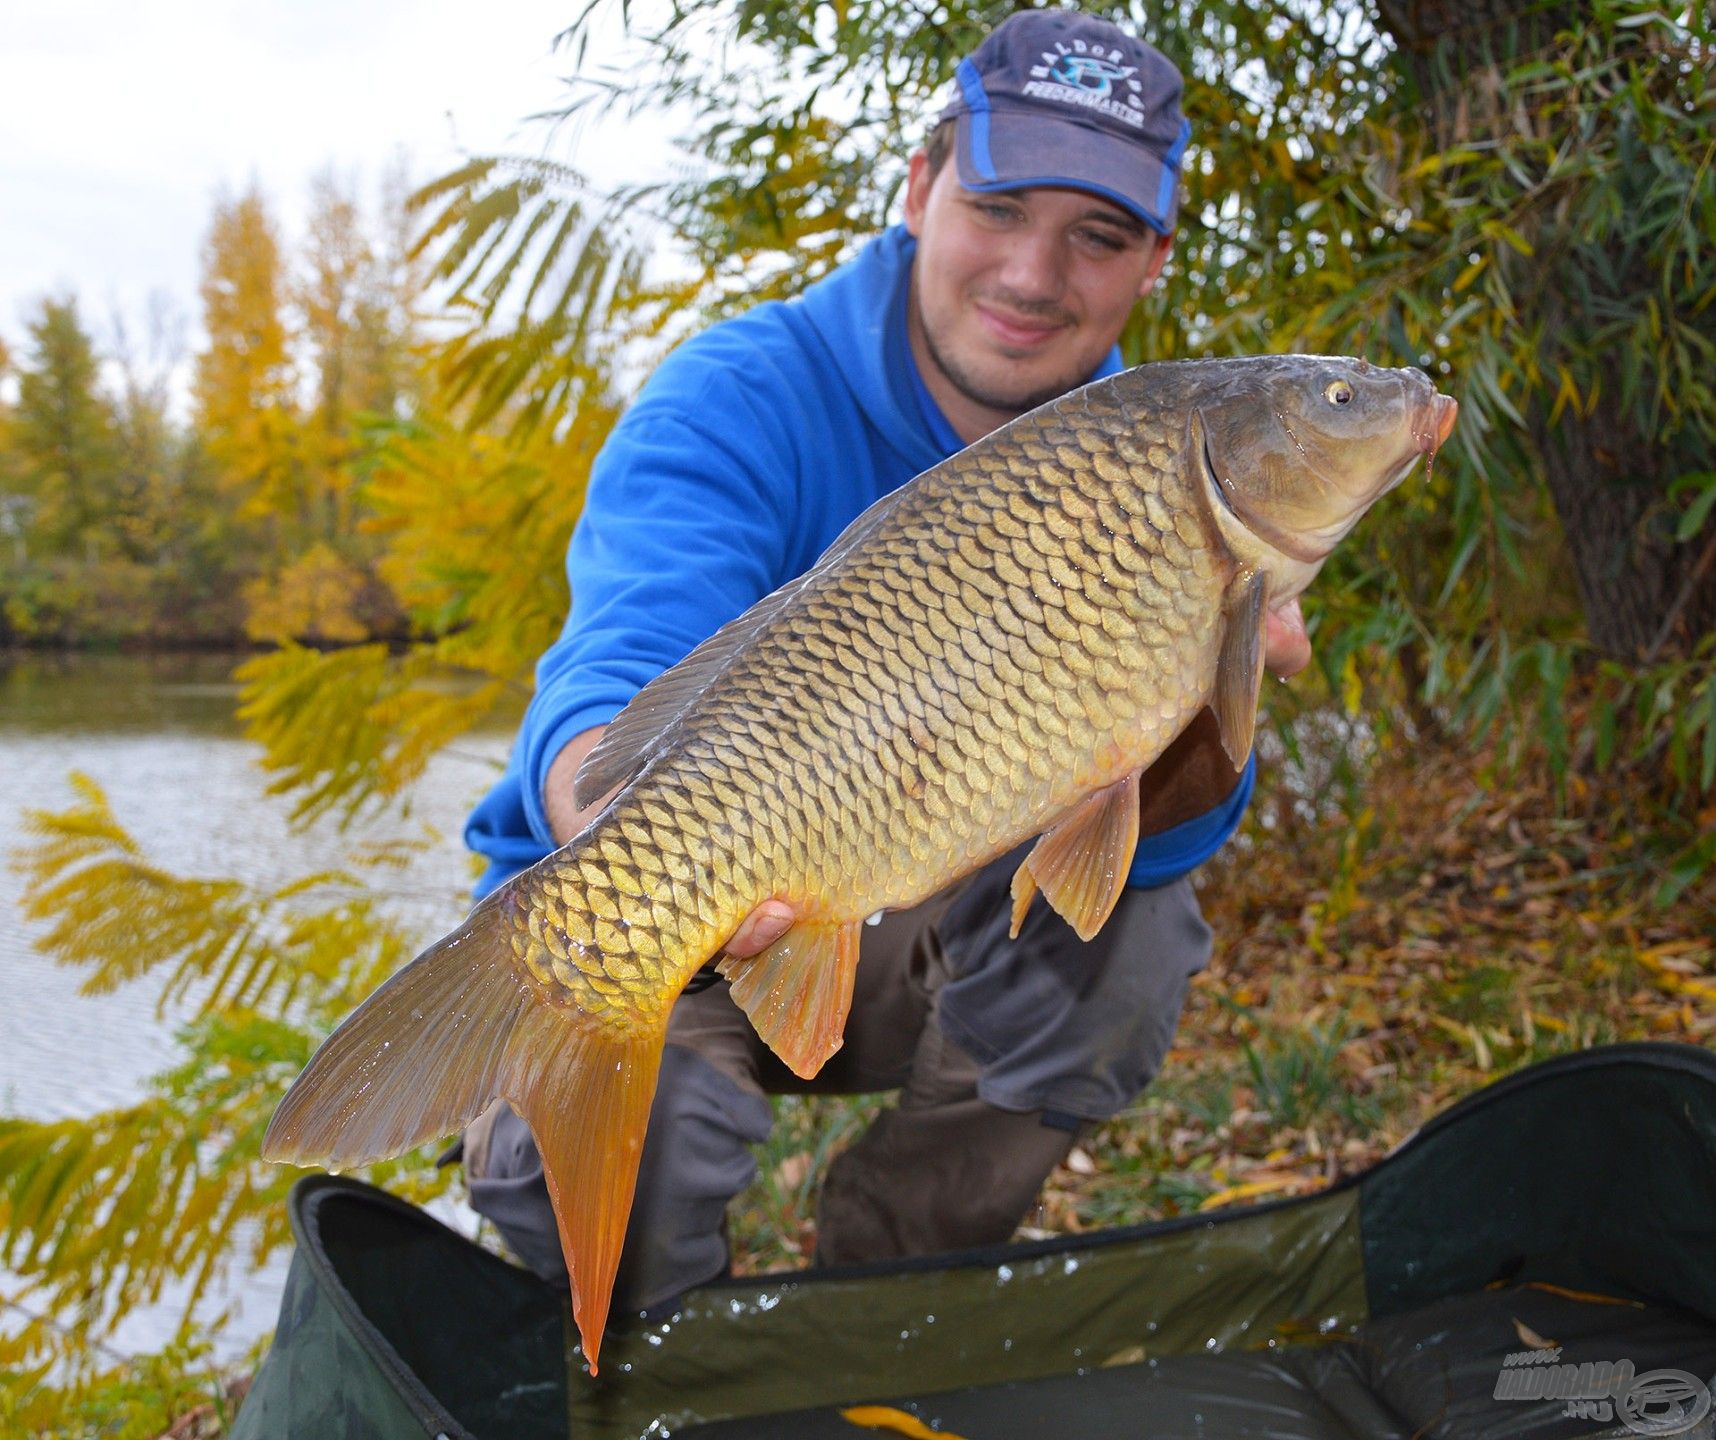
[{"x": 1015, "y": 402}]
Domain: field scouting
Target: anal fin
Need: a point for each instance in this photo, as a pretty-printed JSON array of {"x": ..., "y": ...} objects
[
  {"x": 1239, "y": 668},
  {"x": 1081, "y": 864},
  {"x": 797, "y": 992}
]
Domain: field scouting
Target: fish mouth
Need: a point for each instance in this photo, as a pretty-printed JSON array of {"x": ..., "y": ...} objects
[
  {"x": 1289, "y": 545},
  {"x": 1439, "y": 417},
  {"x": 1432, "y": 424}
]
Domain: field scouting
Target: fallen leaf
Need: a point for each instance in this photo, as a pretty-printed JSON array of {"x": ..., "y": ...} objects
[
  {"x": 886, "y": 1417},
  {"x": 1589, "y": 1296},
  {"x": 1531, "y": 1338},
  {"x": 790, "y": 1173},
  {"x": 1250, "y": 1190}
]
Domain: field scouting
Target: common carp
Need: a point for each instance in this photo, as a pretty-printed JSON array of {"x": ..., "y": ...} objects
[{"x": 994, "y": 651}]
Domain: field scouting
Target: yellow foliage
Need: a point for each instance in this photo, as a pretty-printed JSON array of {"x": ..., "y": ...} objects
[
  {"x": 244, "y": 379},
  {"x": 98, "y": 1214},
  {"x": 473, "y": 532},
  {"x": 138, "y": 1398},
  {"x": 314, "y": 597}
]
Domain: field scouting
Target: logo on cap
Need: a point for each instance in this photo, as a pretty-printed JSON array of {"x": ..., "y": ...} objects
[{"x": 1086, "y": 75}]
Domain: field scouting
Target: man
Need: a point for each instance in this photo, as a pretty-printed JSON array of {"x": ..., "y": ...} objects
[{"x": 1040, "y": 211}]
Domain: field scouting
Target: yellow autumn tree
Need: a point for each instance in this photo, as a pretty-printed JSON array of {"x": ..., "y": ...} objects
[
  {"x": 354, "y": 300},
  {"x": 244, "y": 384},
  {"x": 309, "y": 350}
]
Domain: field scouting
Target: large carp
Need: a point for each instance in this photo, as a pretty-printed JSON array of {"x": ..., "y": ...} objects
[{"x": 994, "y": 651}]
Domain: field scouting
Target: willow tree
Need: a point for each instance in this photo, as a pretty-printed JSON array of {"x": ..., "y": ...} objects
[{"x": 1588, "y": 134}]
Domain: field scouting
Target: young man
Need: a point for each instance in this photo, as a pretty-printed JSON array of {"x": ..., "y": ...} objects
[{"x": 1041, "y": 210}]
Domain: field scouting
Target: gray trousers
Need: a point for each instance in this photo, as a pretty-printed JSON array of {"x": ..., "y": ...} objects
[{"x": 1001, "y": 1050}]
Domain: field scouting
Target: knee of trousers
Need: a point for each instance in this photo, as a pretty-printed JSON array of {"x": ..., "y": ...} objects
[
  {"x": 696, "y": 1158},
  {"x": 1060, "y": 1025}
]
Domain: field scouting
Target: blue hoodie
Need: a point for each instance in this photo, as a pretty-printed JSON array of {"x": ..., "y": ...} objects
[{"x": 750, "y": 448}]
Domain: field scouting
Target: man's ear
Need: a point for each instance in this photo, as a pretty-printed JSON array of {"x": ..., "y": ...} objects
[
  {"x": 918, "y": 183},
  {"x": 1159, "y": 258}
]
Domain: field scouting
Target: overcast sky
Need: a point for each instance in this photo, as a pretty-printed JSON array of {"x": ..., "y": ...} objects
[{"x": 120, "y": 122}]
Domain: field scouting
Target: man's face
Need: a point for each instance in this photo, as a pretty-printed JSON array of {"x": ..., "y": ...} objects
[{"x": 1018, "y": 296}]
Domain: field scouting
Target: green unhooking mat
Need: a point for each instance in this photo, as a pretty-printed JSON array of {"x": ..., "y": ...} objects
[{"x": 1571, "y": 1205}]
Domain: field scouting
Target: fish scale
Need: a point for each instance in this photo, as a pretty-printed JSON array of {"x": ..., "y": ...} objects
[{"x": 995, "y": 651}]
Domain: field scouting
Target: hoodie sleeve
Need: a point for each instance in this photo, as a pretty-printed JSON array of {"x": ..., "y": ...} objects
[
  {"x": 685, "y": 526},
  {"x": 1169, "y": 854}
]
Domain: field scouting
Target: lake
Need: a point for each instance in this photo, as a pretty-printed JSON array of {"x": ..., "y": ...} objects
[{"x": 157, "y": 734}]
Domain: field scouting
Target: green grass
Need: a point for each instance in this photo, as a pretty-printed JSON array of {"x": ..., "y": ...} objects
[{"x": 772, "y": 1224}]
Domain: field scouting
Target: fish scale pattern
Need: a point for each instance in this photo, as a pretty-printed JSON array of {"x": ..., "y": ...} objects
[{"x": 1025, "y": 623}]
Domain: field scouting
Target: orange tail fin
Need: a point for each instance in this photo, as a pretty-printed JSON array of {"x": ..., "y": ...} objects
[
  {"x": 586, "y": 1095},
  {"x": 459, "y": 1026}
]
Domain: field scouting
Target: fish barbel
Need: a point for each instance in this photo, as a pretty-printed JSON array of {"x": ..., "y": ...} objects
[{"x": 994, "y": 651}]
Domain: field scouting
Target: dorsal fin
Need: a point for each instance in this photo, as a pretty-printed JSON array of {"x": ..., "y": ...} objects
[
  {"x": 635, "y": 734},
  {"x": 632, "y": 735}
]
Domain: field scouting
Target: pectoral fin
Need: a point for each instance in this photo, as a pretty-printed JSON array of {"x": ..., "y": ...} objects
[
  {"x": 1239, "y": 668},
  {"x": 1081, "y": 864},
  {"x": 1024, "y": 892},
  {"x": 797, "y": 992}
]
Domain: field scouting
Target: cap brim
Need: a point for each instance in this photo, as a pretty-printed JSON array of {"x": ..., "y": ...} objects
[{"x": 1001, "y": 150}]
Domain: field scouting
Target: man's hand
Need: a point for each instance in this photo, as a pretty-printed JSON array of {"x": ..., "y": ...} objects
[
  {"x": 564, "y": 818},
  {"x": 761, "y": 928},
  {"x": 1193, "y": 777},
  {"x": 1286, "y": 646}
]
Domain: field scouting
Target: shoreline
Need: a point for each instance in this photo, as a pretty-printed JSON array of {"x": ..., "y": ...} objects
[{"x": 229, "y": 644}]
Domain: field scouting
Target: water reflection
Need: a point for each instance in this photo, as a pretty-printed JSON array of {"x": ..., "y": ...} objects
[{"x": 116, "y": 694}]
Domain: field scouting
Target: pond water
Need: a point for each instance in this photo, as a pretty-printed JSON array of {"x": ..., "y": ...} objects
[{"x": 157, "y": 733}]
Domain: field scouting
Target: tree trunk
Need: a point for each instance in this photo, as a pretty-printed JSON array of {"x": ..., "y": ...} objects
[{"x": 1644, "y": 595}]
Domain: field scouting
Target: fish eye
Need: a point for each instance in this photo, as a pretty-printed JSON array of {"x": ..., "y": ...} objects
[{"x": 1338, "y": 392}]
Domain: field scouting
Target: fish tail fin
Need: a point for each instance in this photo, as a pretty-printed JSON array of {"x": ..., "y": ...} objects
[
  {"x": 585, "y": 1091},
  {"x": 424, "y": 1054},
  {"x": 458, "y": 1027}
]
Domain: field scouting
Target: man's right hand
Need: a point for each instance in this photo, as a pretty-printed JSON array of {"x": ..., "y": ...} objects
[{"x": 564, "y": 818}]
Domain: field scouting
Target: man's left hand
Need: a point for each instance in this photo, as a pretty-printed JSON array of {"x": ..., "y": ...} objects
[{"x": 1286, "y": 646}]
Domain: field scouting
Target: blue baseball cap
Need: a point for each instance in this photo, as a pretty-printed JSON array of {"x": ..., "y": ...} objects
[{"x": 1054, "y": 97}]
